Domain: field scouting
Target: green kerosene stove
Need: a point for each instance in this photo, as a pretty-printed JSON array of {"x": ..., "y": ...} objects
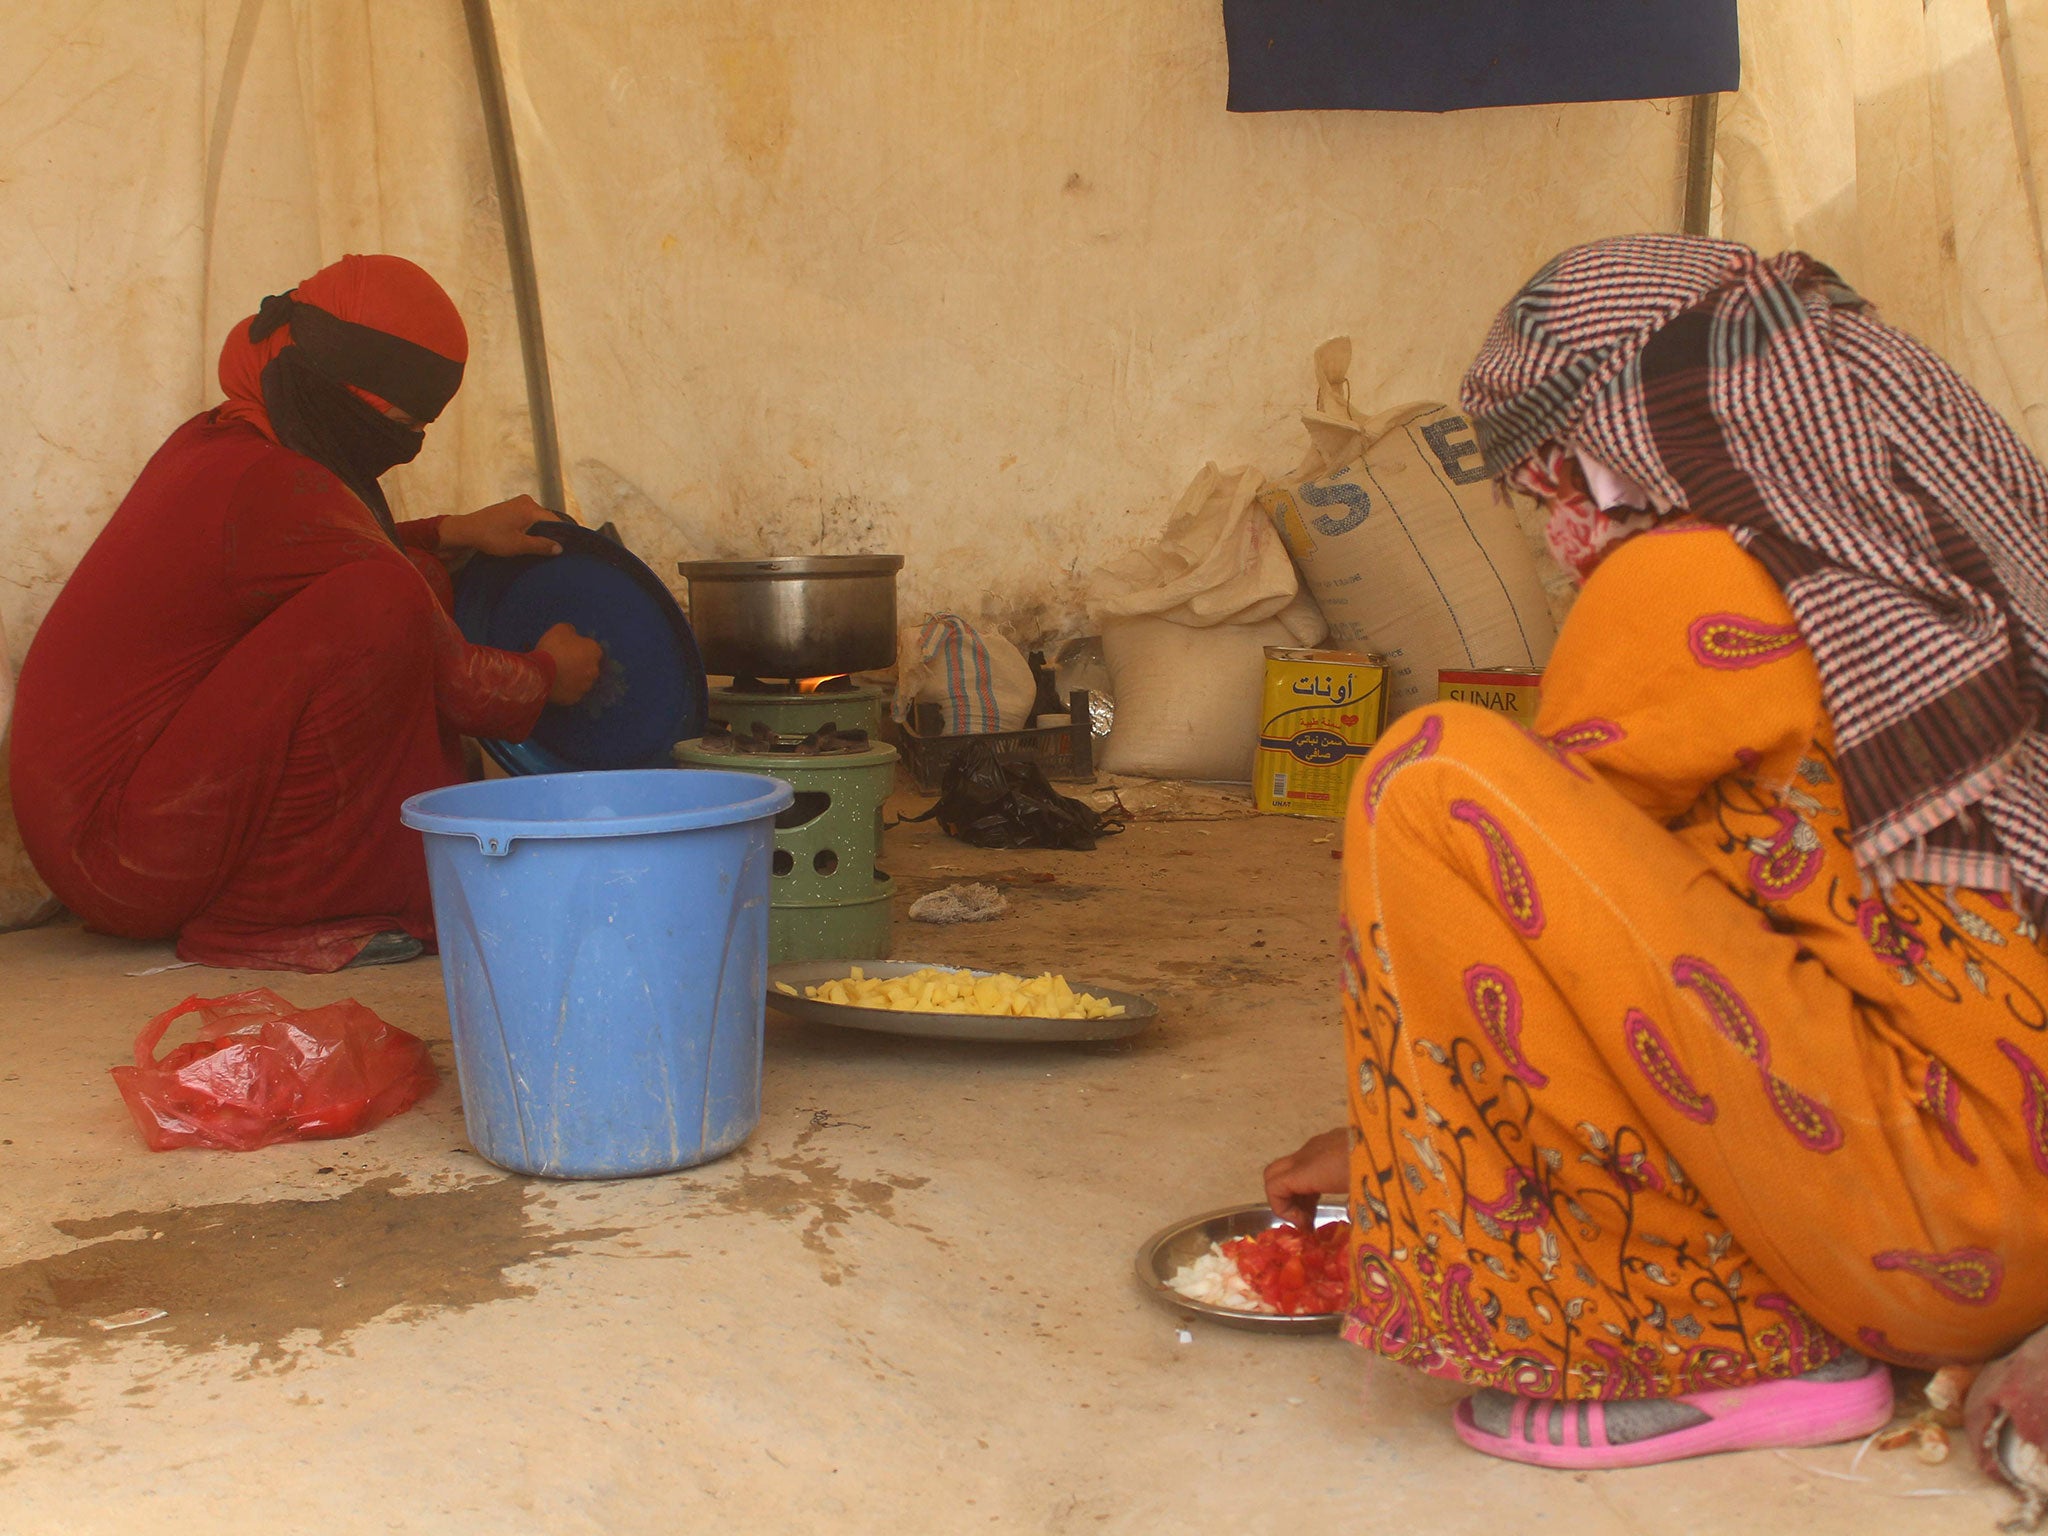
[{"x": 829, "y": 897}]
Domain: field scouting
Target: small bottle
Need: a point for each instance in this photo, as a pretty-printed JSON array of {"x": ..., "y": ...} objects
[{"x": 1048, "y": 701}]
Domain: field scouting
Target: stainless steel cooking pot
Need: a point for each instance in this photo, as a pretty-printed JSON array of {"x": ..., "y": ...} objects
[{"x": 807, "y": 616}]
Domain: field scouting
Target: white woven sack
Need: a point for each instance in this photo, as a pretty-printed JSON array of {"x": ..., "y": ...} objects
[{"x": 1187, "y": 697}]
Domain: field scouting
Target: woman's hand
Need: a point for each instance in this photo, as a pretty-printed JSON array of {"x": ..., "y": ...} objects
[
  {"x": 1320, "y": 1166},
  {"x": 501, "y": 529},
  {"x": 577, "y": 663}
]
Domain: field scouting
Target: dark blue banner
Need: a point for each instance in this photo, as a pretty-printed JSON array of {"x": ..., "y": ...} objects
[{"x": 1443, "y": 55}]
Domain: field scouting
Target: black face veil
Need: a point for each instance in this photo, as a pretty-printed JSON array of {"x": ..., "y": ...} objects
[{"x": 314, "y": 412}]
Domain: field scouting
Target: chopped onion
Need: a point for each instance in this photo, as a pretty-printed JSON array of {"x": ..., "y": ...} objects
[{"x": 1213, "y": 1279}]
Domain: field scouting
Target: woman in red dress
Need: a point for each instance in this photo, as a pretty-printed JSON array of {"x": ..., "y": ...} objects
[{"x": 253, "y": 666}]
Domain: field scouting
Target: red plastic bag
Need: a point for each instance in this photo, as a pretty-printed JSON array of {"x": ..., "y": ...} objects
[{"x": 263, "y": 1071}]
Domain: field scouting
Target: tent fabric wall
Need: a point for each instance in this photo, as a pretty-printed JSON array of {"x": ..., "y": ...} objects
[
  {"x": 1899, "y": 140},
  {"x": 975, "y": 284},
  {"x": 981, "y": 285}
]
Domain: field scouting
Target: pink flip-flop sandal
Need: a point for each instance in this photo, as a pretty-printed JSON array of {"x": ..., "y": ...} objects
[{"x": 1573, "y": 1435}]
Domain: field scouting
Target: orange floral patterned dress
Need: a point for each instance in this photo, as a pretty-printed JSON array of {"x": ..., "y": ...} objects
[{"x": 1650, "y": 1092}]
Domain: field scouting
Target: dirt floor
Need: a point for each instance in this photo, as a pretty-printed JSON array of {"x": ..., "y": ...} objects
[{"x": 906, "y": 1304}]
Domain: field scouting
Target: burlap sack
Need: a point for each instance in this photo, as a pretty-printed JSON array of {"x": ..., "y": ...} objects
[
  {"x": 1404, "y": 542},
  {"x": 1217, "y": 562}
]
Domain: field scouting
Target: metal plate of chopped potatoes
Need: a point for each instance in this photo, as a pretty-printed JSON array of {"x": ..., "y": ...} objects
[{"x": 798, "y": 975}]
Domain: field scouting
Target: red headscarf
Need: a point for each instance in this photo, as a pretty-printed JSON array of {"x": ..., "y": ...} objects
[{"x": 386, "y": 293}]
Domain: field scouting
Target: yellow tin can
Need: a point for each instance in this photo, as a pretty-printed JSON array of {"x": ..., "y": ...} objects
[{"x": 1323, "y": 711}]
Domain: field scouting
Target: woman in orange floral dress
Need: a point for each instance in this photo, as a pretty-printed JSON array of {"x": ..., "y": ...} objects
[{"x": 1696, "y": 1037}]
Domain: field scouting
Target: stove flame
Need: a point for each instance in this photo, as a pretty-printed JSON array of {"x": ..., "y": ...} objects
[{"x": 813, "y": 684}]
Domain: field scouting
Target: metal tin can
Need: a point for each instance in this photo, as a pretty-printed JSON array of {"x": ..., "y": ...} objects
[
  {"x": 1322, "y": 712},
  {"x": 1504, "y": 690}
]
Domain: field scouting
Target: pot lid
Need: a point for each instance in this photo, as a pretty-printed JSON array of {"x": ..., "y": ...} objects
[
  {"x": 650, "y": 694},
  {"x": 809, "y": 567}
]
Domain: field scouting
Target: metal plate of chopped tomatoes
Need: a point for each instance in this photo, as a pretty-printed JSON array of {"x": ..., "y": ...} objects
[{"x": 1163, "y": 1254}]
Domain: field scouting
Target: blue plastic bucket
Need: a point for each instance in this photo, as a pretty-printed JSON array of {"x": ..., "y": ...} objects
[{"x": 604, "y": 941}]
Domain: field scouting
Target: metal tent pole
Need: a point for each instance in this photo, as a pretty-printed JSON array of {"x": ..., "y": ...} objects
[
  {"x": 533, "y": 350},
  {"x": 1699, "y": 163}
]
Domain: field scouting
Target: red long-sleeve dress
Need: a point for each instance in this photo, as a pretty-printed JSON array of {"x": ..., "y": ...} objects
[{"x": 242, "y": 681}]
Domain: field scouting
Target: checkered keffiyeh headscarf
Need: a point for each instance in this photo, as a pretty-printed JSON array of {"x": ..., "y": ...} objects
[{"x": 1905, "y": 521}]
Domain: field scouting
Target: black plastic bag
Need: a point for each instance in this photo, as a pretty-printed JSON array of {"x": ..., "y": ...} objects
[{"x": 991, "y": 801}]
